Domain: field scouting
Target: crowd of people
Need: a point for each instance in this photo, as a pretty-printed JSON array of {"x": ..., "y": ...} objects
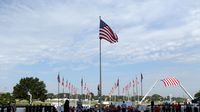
[
  {"x": 105, "y": 108},
  {"x": 166, "y": 107}
]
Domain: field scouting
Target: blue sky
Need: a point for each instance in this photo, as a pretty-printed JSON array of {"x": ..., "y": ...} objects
[{"x": 40, "y": 38}]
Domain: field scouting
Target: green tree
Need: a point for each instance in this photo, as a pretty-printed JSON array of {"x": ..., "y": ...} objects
[
  {"x": 51, "y": 95},
  {"x": 33, "y": 85},
  {"x": 197, "y": 95},
  {"x": 6, "y": 98},
  {"x": 156, "y": 97}
]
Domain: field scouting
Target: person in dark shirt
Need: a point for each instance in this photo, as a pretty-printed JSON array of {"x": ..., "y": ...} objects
[
  {"x": 123, "y": 106},
  {"x": 66, "y": 106}
]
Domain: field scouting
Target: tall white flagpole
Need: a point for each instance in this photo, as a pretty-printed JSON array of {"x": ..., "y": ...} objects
[
  {"x": 148, "y": 91},
  {"x": 100, "y": 77},
  {"x": 186, "y": 91}
]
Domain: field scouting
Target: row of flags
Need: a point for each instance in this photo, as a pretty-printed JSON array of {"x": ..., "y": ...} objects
[
  {"x": 85, "y": 86},
  {"x": 134, "y": 83},
  {"x": 170, "y": 81},
  {"x": 71, "y": 88},
  {"x": 114, "y": 87}
]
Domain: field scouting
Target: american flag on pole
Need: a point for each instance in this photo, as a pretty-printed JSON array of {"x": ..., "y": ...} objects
[
  {"x": 115, "y": 85},
  {"x": 136, "y": 81},
  {"x": 66, "y": 84},
  {"x": 105, "y": 32},
  {"x": 141, "y": 77},
  {"x": 82, "y": 82},
  {"x": 98, "y": 87},
  {"x": 69, "y": 86},
  {"x": 118, "y": 82},
  {"x": 133, "y": 83},
  {"x": 85, "y": 87},
  {"x": 58, "y": 78},
  {"x": 63, "y": 81},
  {"x": 171, "y": 81},
  {"x": 129, "y": 84}
]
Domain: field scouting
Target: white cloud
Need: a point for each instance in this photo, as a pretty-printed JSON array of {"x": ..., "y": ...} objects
[{"x": 32, "y": 31}]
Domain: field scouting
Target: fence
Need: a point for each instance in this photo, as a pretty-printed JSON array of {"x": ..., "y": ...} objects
[{"x": 40, "y": 108}]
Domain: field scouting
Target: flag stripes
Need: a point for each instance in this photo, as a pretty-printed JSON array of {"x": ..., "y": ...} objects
[
  {"x": 171, "y": 81},
  {"x": 105, "y": 32}
]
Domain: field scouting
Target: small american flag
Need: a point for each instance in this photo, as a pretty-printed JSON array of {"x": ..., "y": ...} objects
[
  {"x": 133, "y": 83},
  {"x": 63, "y": 81},
  {"x": 141, "y": 77},
  {"x": 69, "y": 85},
  {"x": 170, "y": 81},
  {"x": 58, "y": 78},
  {"x": 85, "y": 86},
  {"x": 118, "y": 82},
  {"x": 136, "y": 81},
  {"x": 66, "y": 83},
  {"x": 82, "y": 82},
  {"x": 105, "y": 32}
]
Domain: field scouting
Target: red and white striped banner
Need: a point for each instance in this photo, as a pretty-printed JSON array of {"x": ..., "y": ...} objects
[{"x": 171, "y": 81}]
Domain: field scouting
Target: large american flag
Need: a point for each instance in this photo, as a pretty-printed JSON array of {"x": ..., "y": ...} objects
[
  {"x": 171, "y": 81},
  {"x": 105, "y": 32}
]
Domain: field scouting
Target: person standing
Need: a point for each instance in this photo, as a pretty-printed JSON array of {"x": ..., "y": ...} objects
[
  {"x": 66, "y": 106},
  {"x": 123, "y": 106}
]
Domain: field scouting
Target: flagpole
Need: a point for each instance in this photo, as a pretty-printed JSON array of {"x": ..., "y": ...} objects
[
  {"x": 118, "y": 86},
  {"x": 69, "y": 92},
  {"x": 63, "y": 92},
  {"x": 84, "y": 91},
  {"x": 137, "y": 89},
  {"x": 112, "y": 38},
  {"x": 100, "y": 77},
  {"x": 81, "y": 88},
  {"x": 133, "y": 93},
  {"x": 58, "y": 93},
  {"x": 186, "y": 91},
  {"x": 58, "y": 88},
  {"x": 63, "y": 88},
  {"x": 141, "y": 84}
]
